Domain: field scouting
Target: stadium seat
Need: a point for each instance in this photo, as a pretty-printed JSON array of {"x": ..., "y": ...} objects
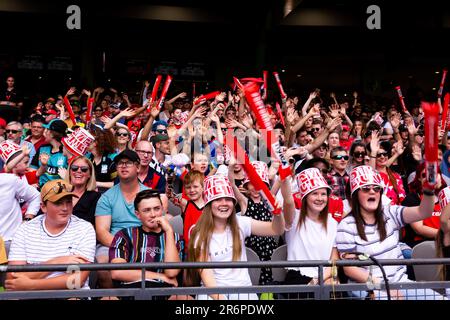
[
  {"x": 279, "y": 254},
  {"x": 425, "y": 250},
  {"x": 252, "y": 256}
]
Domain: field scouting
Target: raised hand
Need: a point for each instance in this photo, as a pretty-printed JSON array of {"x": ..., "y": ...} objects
[
  {"x": 334, "y": 110},
  {"x": 333, "y": 124},
  {"x": 154, "y": 112},
  {"x": 71, "y": 91},
  {"x": 62, "y": 172},
  {"x": 86, "y": 92},
  {"x": 128, "y": 113},
  {"x": 375, "y": 142},
  {"x": 43, "y": 158},
  {"x": 416, "y": 152},
  {"x": 313, "y": 95}
]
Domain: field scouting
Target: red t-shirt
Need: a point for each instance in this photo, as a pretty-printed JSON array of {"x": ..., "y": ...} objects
[
  {"x": 335, "y": 206},
  {"x": 190, "y": 216}
]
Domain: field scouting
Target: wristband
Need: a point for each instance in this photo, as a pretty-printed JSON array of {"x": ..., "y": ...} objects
[{"x": 428, "y": 192}]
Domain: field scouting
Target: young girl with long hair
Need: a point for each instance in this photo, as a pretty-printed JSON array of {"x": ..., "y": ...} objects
[{"x": 219, "y": 236}]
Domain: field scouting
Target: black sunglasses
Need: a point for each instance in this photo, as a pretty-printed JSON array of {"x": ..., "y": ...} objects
[
  {"x": 340, "y": 157},
  {"x": 121, "y": 134},
  {"x": 12, "y": 131},
  {"x": 75, "y": 168},
  {"x": 366, "y": 189},
  {"x": 382, "y": 154},
  {"x": 315, "y": 129},
  {"x": 359, "y": 154},
  {"x": 60, "y": 187},
  {"x": 163, "y": 131}
]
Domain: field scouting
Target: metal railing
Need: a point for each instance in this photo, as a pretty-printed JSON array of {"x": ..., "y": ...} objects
[{"x": 320, "y": 291}]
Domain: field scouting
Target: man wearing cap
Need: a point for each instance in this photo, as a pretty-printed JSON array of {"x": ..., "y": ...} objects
[
  {"x": 14, "y": 132},
  {"x": 115, "y": 209},
  {"x": 56, "y": 237},
  {"x": 50, "y": 156}
]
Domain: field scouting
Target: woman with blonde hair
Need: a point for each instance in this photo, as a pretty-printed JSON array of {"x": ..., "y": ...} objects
[
  {"x": 82, "y": 177},
  {"x": 219, "y": 235}
]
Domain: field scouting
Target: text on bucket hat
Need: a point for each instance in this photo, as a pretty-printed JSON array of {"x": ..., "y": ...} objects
[
  {"x": 78, "y": 141},
  {"x": 262, "y": 170},
  {"x": 217, "y": 186},
  {"x": 8, "y": 149},
  {"x": 56, "y": 189},
  {"x": 444, "y": 197},
  {"x": 309, "y": 180},
  {"x": 364, "y": 176}
]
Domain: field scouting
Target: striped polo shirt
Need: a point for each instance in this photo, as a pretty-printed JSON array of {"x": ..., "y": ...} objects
[{"x": 348, "y": 240}]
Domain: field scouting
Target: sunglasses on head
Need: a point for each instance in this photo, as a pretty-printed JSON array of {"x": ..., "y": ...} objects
[
  {"x": 339, "y": 157},
  {"x": 382, "y": 154},
  {"x": 83, "y": 169},
  {"x": 60, "y": 187},
  {"x": 367, "y": 189},
  {"x": 359, "y": 154}
]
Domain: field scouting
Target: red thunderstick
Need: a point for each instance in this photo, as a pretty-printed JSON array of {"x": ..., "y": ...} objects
[
  {"x": 253, "y": 97},
  {"x": 265, "y": 75},
  {"x": 441, "y": 86},
  {"x": 280, "y": 114},
  {"x": 164, "y": 92},
  {"x": 205, "y": 97},
  {"x": 431, "y": 111},
  {"x": 90, "y": 103},
  {"x": 69, "y": 109},
  {"x": 280, "y": 86},
  {"x": 445, "y": 111},
  {"x": 154, "y": 92},
  {"x": 402, "y": 100},
  {"x": 242, "y": 158}
]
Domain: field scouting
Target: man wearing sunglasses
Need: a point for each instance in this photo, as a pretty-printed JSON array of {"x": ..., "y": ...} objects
[
  {"x": 338, "y": 176},
  {"x": 56, "y": 237},
  {"x": 14, "y": 131}
]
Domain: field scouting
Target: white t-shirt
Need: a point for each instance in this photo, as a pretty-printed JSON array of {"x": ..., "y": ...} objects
[
  {"x": 221, "y": 249},
  {"x": 34, "y": 244},
  {"x": 310, "y": 242}
]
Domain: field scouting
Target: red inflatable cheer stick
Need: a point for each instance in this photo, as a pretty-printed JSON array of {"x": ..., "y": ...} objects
[
  {"x": 280, "y": 114},
  {"x": 205, "y": 97},
  {"x": 154, "y": 92},
  {"x": 255, "y": 179},
  {"x": 400, "y": 96},
  {"x": 164, "y": 92},
  {"x": 441, "y": 86},
  {"x": 445, "y": 111},
  {"x": 280, "y": 86},
  {"x": 265, "y": 75},
  {"x": 251, "y": 90},
  {"x": 90, "y": 103},
  {"x": 431, "y": 111},
  {"x": 69, "y": 109}
]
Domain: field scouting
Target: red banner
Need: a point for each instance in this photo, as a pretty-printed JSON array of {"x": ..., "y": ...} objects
[
  {"x": 280, "y": 86},
  {"x": 164, "y": 92},
  {"x": 69, "y": 109},
  {"x": 441, "y": 86},
  {"x": 255, "y": 179},
  {"x": 431, "y": 111}
]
